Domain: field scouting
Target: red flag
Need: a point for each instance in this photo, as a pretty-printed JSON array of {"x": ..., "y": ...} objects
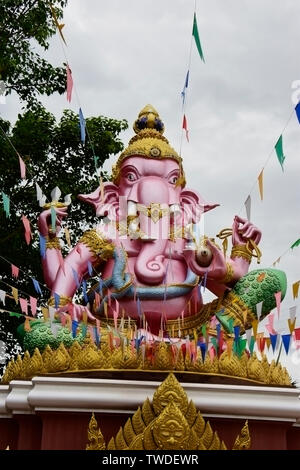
[
  {"x": 22, "y": 168},
  {"x": 14, "y": 271},
  {"x": 26, "y": 224},
  {"x": 184, "y": 126},
  {"x": 33, "y": 302},
  {"x": 69, "y": 84}
]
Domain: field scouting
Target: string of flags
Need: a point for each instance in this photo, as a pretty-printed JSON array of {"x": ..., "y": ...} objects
[
  {"x": 195, "y": 35},
  {"x": 278, "y": 147}
]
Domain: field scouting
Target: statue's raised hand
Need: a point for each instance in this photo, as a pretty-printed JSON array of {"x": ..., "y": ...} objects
[
  {"x": 243, "y": 230},
  {"x": 44, "y": 221}
]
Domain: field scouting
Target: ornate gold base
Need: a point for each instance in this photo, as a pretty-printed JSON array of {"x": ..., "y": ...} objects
[{"x": 170, "y": 422}]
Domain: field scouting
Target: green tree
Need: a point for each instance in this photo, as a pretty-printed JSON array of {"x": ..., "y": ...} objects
[
  {"x": 22, "y": 68},
  {"x": 54, "y": 156}
]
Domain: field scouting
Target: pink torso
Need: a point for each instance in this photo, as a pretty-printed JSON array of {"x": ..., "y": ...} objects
[{"x": 176, "y": 272}]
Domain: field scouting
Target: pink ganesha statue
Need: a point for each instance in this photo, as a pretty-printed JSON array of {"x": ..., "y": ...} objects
[{"x": 151, "y": 265}]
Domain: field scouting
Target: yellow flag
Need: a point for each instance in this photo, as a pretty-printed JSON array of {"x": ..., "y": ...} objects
[
  {"x": 45, "y": 313},
  {"x": 84, "y": 316},
  {"x": 296, "y": 289},
  {"x": 254, "y": 327},
  {"x": 229, "y": 346},
  {"x": 261, "y": 184},
  {"x": 67, "y": 235},
  {"x": 268, "y": 342},
  {"x": 292, "y": 324},
  {"x": 15, "y": 294},
  {"x": 105, "y": 309}
]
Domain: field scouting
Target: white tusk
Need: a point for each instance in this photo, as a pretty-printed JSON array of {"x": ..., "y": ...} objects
[
  {"x": 131, "y": 208},
  {"x": 175, "y": 209}
]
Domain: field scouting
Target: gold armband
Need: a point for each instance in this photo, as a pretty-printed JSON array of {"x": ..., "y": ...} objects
[
  {"x": 63, "y": 300},
  {"x": 229, "y": 274},
  {"x": 241, "y": 251},
  {"x": 97, "y": 245},
  {"x": 53, "y": 243}
]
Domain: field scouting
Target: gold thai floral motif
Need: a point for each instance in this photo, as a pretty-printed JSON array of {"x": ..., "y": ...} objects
[
  {"x": 154, "y": 211},
  {"x": 95, "y": 436},
  {"x": 229, "y": 364},
  {"x": 243, "y": 441},
  {"x": 149, "y": 143},
  {"x": 89, "y": 357},
  {"x": 97, "y": 244},
  {"x": 59, "y": 359},
  {"x": 169, "y": 391},
  {"x": 256, "y": 370},
  {"x": 167, "y": 424}
]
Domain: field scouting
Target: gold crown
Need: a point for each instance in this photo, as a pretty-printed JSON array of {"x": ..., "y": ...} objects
[{"x": 148, "y": 142}]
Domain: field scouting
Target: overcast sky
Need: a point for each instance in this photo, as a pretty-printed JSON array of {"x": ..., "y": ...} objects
[{"x": 125, "y": 54}]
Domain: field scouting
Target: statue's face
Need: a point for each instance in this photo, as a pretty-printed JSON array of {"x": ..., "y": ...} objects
[
  {"x": 147, "y": 181},
  {"x": 151, "y": 205}
]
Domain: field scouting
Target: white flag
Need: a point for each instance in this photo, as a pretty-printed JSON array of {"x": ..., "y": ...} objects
[{"x": 248, "y": 206}]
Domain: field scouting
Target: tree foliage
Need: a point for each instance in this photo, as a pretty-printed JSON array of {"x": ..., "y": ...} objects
[
  {"x": 54, "y": 156},
  {"x": 25, "y": 24}
]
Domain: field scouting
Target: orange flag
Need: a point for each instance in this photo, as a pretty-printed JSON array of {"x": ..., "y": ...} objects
[
  {"x": 261, "y": 184},
  {"x": 296, "y": 289}
]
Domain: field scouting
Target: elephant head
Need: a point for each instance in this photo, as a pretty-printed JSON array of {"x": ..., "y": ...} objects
[{"x": 148, "y": 194}]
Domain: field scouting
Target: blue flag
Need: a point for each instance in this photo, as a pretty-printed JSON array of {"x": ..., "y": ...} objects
[
  {"x": 286, "y": 342},
  {"x": 273, "y": 339},
  {"x": 74, "y": 328},
  {"x": 186, "y": 84},
  {"x": 36, "y": 285},
  {"x": 42, "y": 245},
  {"x": 97, "y": 336},
  {"x": 297, "y": 109},
  {"x": 56, "y": 300},
  {"x": 82, "y": 126},
  {"x": 75, "y": 275},
  {"x": 90, "y": 268},
  {"x": 84, "y": 291}
]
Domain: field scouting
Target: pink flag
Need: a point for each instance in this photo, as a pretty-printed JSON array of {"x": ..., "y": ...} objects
[
  {"x": 69, "y": 84},
  {"x": 22, "y": 168},
  {"x": 26, "y": 224},
  {"x": 270, "y": 324},
  {"x": 14, "y": 271},
  {"x": 278, "y": 300},
  {"x": 184, "y": 126},
  {"x": 115, "y": 319},
  {"x": 33, "y": 302},
  {"x": 24, "y": 305}
]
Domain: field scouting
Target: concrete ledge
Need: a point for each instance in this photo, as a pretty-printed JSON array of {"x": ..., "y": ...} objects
[{"x": 124, "y": 396}]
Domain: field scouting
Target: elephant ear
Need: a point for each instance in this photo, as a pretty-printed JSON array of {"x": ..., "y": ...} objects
[
  {"x": 109, "y": 205},
  {"x": 194, "y": 206}
]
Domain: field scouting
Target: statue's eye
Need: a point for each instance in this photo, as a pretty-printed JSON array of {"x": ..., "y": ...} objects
[
  {"x": 173, "y": 179},
  {"x": 131, "y": 177}
]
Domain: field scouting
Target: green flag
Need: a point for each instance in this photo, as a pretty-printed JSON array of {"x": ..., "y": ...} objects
[
  {"x": 6, "y": 204},
  {"x": 279, "y": 151},
  {"x": 296, "y": 243},
  {"x": 197, "y": 38},
  {"x": 14, "y": 314}
]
